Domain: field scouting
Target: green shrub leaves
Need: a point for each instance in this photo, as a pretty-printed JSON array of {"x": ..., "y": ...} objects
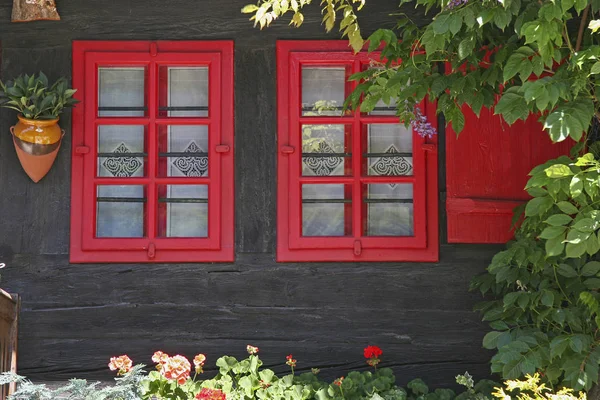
[{"x": 547, "y": 281}]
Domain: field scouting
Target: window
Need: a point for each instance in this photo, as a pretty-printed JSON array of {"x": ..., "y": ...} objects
[
  {"x": 351, "y": 186},
  {"x": 152, "y": 176}
]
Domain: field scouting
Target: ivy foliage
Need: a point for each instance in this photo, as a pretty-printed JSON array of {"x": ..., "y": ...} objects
[
  {"x": 517, "y": 57},
  {"x": 546, "y": 316}
]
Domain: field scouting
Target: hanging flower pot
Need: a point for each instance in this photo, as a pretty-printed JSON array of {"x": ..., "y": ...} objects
[
  {"x": 34, "y": 10},
  {"x": 37, "y": 143},
  {"x": 37, "y": 136}
]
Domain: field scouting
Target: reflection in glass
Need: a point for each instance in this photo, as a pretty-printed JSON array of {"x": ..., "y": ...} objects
[
  {"x": 323, "y": 90},
  {"x": 320, "y": 140},
  {"x": 187, "y": 92},
  {"x": 120, "y": 211},
  {"x": 121, "y": 150},
  {"x": 389, "y": 149},
  {"x": 183, "y": 210},
  {"x": 183, "y": 150},
  {"x": 121, "y": 92},
  {"x": 326, "y": 210},
  {"x": 389, "y": 209}
]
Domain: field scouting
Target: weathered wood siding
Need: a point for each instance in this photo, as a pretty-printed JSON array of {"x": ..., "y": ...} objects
[{"x": 74, "y": 317}]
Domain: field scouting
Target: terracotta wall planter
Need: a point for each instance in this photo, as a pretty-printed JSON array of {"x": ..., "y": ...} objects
[
  {"x": 37, "y": 143},
  {"x": 34, "y": 10}
]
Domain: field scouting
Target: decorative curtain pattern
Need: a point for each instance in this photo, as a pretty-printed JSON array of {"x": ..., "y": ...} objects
[{"x": 34, "y": 10}]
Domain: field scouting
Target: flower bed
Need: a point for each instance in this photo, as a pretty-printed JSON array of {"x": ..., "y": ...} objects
[
  {"x": 176, "y": 378},
  {"x": 245, "y": 380}
]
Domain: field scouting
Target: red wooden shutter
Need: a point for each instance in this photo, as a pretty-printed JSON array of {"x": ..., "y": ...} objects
[
  {"x": 354, "y": 242},
  {"x": 202, "y": 184},
  {"x": 487, "y": 169}
]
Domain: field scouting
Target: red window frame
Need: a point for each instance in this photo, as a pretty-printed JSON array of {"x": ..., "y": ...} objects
[
  {"x": 291, "y": 245},
  {"x": 218, "y": 246}
]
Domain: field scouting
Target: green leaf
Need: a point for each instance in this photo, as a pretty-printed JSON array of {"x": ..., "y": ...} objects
[
  {"x": 490, "y": 340},
  {"x": 592, "y": 245},
  {"x": 575, "y": 236},
  {"x": 585, "y": 225},
  {"x": 591, "y": 268},
  {"x": 441, "y": 24},
  {"x": 552, "y": 231},
  {"x": 575, "y": 250},
  {"x": 512, "y": 107},
  {"x": 538, "y": 205},
  {"x": 558, "y": 345},
  {"x": 558, "y": 171},
  {"x": 566, "y": 270},
  {"x": 512, "y": 370},
  {"x": 510, "y": 298},
  {"x": 576, "y": 186},
  {"x": 455, "y": 23},
  {"x": 515, "y": 62},
  {"x": 592, "y": 283},
  {"x": 555, "y": 247},
  {"x": 576, "y": 344},
  {"x": 466, "y": 47},
  {"x": 547, "y": 298},
  {"x": 567, "y": 208},
  {"x": 558, "y": 220},
  {"x": 570, "y": 119}
]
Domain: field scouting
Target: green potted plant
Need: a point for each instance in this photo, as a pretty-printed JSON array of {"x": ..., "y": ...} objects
[{"x": 37, "y": 136}]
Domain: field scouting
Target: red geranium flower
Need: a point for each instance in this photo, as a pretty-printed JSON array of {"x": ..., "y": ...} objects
[
  {"x": 159, "y": 357},
  {"x": 211, "y": 394},
  {"x": 290, "y": 361},
  {"x": 372, "y": 352},
  {"x": 177, "y": 368},
  {"x": 339, "y": 381}
]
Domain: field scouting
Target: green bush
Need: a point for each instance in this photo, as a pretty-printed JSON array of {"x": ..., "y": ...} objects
[{"x": 545, "y": 315}]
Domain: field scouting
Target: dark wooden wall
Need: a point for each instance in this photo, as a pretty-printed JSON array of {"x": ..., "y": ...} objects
[{"x": 76, "y": 316}]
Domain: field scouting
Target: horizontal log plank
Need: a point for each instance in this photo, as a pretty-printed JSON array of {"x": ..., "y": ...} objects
[{"x": 255, "y": 280}]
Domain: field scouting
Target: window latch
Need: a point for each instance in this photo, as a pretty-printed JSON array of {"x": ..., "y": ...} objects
[
  {"x": 151, "y": 251},
  {"x": 81, "y": 150},
  {"x": 287, "y": 149},
  {"x": 222, "y": 148},
  {"x": 429, "y": 147},
  {"x": 357, "y": 248}
]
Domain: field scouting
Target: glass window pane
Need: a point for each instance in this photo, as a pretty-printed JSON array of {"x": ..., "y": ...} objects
[
  {"x": 121, "y": 92},
  {"x": 186, "y": 91},
  {"x": 327, "y": 210},
  {"x": 121, "y": 150},
  {"x": 120, "y": 211},
  {"x": 389, "y": 149},
  {"x": 384, "y": 109},
  {"x": 183, "y": 210},
  {"x": 324, "y": 90},
  {"x": 320, "y": 140},
  {"x": 183, "y": 150},
  {"x": 389, "y": 209}
]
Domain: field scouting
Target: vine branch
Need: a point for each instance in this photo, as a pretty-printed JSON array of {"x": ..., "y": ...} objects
[{"x": 584, "y": 17}]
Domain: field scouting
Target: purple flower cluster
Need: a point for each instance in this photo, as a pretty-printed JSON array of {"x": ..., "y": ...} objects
[
  {"x": 455, "y": 3},
  {"x": 422, "y": 126}
]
